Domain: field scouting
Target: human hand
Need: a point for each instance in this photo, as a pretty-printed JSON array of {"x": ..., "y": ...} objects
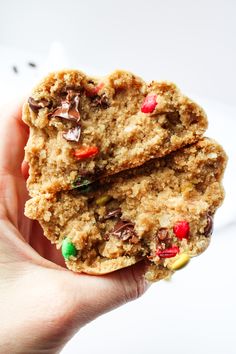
[{"x": 43, "y": 304}]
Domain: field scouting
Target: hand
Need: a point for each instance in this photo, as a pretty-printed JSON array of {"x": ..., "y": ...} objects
[{"x": 42, "y": 304}]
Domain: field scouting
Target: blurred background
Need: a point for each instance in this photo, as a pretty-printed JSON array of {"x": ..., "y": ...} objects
[{"x": 192, "y": 43}]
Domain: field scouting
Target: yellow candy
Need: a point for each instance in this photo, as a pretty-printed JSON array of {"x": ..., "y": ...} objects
[
  {"x": 180, "y": 262},
  {"x": 104, "y": 199}
]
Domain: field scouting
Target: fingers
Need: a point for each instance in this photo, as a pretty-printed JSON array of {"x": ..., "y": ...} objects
[
  {"x": 25, "y": 169},
  {"x": 43, "y": 246},
  {"x": 13, "y": 137}
]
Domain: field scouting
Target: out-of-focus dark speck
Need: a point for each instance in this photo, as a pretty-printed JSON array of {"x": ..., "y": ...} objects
[
  {"x": 15, "y": 70},
  {"x": 31, "y": 64}
]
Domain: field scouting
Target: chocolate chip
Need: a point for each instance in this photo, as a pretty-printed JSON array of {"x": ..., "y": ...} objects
[
  {"x": 73, "y": 134},
  {"x": 100, "y": 101},
  {"x": 123, "y": 230},
  {"x": 69, "y": 108},
  {"x": 63, "y": 94},
  {"x": 113, "y": 213},
  {"x": 162, "y": 234},
  {"x": 163, "y": 238},
  {"x": 35, "y": 105},
  {"x": 209, "y": 226}
]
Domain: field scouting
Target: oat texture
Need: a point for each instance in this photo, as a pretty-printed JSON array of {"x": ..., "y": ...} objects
[
  {"x": 69, "y": 113},
  {"x": 118, "y": 220}
]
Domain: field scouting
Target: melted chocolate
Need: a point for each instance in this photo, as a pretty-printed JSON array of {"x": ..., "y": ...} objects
[
  {"x": 69, "y": 108},
  {"x": 73, "y": 134},
  {"x": 36, "y": 105},
  {"x": 123, "y": 230},
  {"x": 209, "y": 226}
]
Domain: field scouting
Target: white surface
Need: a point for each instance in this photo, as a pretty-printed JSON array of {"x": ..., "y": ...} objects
[
  {"x": 189, "y": 42},
  {"x": 193, "y": 44}
]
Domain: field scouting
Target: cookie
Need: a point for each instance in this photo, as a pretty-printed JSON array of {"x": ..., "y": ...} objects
[
  {"x": 161, "y": 211},
  {"x": 82, "y": 126}
]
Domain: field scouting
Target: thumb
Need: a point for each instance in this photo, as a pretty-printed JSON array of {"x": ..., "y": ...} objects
[
  {"x": 101, "y": 294},
  {"x": 83, "y": 298},
  {"x": 88, "y": 297}
]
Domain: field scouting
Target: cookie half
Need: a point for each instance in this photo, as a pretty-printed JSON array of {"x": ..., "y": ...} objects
[
  {"x": 83, "y": 126},
  {"x": 162, "y": 212}
]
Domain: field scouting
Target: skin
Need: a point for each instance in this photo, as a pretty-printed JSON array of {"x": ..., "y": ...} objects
[{"x": 42, "y": 304}]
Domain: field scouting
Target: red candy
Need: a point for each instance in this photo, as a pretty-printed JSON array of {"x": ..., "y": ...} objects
[
  {"x": 98, "y": 88},
  {"x": 94, "y": 91},
  {"x": 181, "y": 229},
  {"x": 85, "y": 152},
  {"x": 168, "y": 252},
  {"x": 149, "y": 104}
]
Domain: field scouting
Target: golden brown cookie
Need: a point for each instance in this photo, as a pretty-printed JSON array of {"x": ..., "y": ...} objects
[
  {"x": 161, "y": 211},
  {"x": 96, "y": 127}
]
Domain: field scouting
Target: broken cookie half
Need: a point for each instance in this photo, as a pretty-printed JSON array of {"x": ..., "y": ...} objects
[
  {"x": 95, "y": 127},
  {"x": 161, "y": 212}
]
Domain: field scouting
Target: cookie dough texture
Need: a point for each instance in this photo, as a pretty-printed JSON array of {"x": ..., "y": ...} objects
[
  {"x": 107, "y": 112},
  {"x": 130, "y": 216}
]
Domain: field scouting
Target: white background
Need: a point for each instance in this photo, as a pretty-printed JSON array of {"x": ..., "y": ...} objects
[{"x": 192, "y": 43}]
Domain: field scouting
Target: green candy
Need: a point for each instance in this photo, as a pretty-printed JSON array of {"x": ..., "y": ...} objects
[
  {"x": 82, "y": 183},
  {"x": 68, "y": 249}
]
